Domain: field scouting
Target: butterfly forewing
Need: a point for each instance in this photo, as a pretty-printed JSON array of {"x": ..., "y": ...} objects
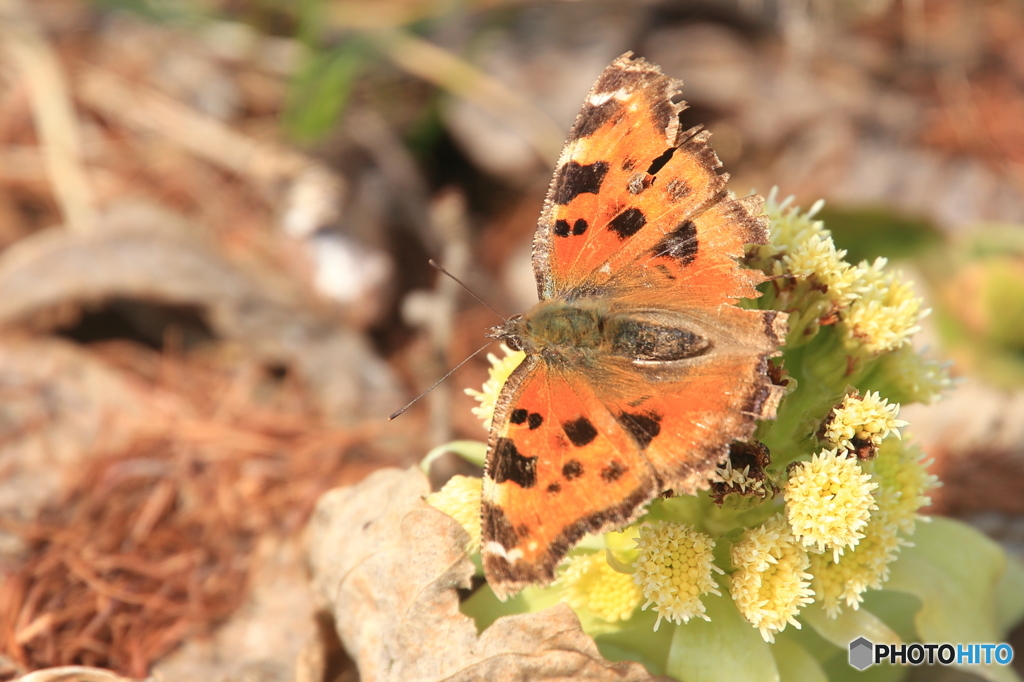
[{"x": 627, "y": 178}]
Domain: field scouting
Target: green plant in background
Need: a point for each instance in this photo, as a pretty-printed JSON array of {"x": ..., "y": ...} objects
[
  {"x": 320, "y": 90},
  {"x": 979, "y": 286},
  {"x": 815, "y": 523}
]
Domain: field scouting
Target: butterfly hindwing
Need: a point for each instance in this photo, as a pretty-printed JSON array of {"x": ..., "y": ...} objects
[{"x": 684, "y": 414}]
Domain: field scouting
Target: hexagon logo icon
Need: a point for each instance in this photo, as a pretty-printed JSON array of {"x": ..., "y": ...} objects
[{"x": 862, "y": 653}]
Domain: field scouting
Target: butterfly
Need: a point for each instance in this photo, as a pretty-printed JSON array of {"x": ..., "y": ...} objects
[{"x": 640, "y": 368}]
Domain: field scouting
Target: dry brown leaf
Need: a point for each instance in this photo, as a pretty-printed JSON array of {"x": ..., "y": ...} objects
[
  {"x": 146, "y": 253},
  {"x": 388, "y": 566},
  {"x": 73, "y": 673}
]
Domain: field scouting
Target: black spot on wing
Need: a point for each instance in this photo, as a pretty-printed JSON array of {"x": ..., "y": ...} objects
[
  {"x": 628, "y": 164},
  {"x": 580, "y": 431},
  {"x": 561, "y": 228},
  {"x": 555, "y": 488},
  {"x": 497, "y": 527},
  {"x": 642, "y": 426},
  {"x": 628, "y": 223},
  {"x": 579, "y": 227},
  {"x": 592, "y": 117},
  {"x": 522, "y": 416},
  {"x": 613, "y": 471},
  {"x": 573, "y": 179},
  {"x": 572, "y": 470},
  {"x": 509, "y": 465},
  {"x": 680, "y": 244}
]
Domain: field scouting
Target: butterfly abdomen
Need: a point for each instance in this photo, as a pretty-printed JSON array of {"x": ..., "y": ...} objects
[{"x": 645, "y": 341}]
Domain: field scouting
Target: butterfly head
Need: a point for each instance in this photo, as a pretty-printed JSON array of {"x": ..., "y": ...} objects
[{"x": 510, "y": 333}]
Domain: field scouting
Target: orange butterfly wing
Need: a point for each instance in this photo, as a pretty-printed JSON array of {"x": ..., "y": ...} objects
[
  {"x": 636, "y": 218},
  {"x": 629, "y": 176},
  {"x": 556, "y": 442}
]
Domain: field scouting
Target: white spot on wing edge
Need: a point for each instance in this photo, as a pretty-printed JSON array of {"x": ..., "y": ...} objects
[
  {"x": 579, "y": 150},
  {"x": 495, "y": 548},
  {"x": 599, "y": 98}
]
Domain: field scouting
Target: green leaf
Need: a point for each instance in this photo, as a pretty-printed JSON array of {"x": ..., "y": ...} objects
[
  {"x": 688, "y": 509},
  {"x": 473, "y": 451},
  {"x": 813, "y": 643},
  {"x": 1010, "y": 595},
  {"x": 485, "y": 608},
  {"x": 322, "y": 88},
  {"x": 848, "y": 626},
  {"x": 896, "y": 609},
  {"x": 795, "y": 663},
  {"x": 838, "y": 669},
  {"x": 727, "y": 648},
  {"x": 639, "y": 642},
  {"x": 955, "y": 571}
]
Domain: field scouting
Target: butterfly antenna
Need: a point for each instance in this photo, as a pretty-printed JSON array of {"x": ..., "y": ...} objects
[
  {"x": 411, "y": 402},
  {"x": 440, "y": 267}
]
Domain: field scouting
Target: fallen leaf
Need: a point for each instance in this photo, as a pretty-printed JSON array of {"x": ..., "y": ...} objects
[{"x": 388, "y": 566}]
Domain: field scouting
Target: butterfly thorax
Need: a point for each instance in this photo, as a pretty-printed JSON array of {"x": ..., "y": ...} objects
[{"x": 580, "y": 331}]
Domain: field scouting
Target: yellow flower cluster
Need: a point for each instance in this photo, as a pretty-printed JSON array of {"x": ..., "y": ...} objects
[
  {"x": 912, "y": 376},
  {"x": 499, "y": 372},
  {"x": 864, "y": 567},
  {"x": 801, "y": 247},
  {"x": 771, "y": 583},
  {"x": 903, "y": 480},
  {"x": 869, "y": 419},
  {"x": 828, "y": 501},
  {"x": 818, "y": 258},
  {"x": 877, "y": 310},
  {"x": 886, "y": 314},
  {"x": 460, "y": 499},
  {"x": 588, "y": 581},
  {"x": 789, "y": 227},
  {"x": 674, "y": 569}
]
